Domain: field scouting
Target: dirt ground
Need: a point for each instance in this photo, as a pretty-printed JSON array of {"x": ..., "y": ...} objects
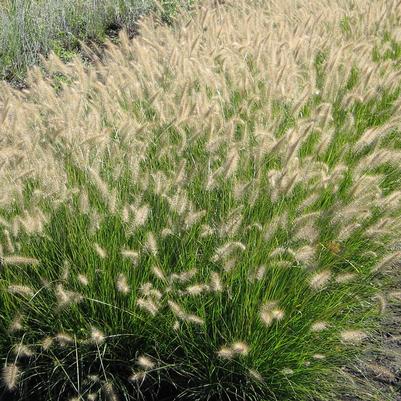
[{"x": 378, "y": 370}]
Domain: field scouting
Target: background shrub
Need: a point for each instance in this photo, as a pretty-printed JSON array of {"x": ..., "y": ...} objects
[{"x": 29, "y": 28}]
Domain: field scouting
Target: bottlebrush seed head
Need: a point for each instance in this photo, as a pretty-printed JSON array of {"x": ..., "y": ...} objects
[
  {"x": 194, "y": 319},
  {"x": 97, "y": 336},
  {"x": 240, "y": 348},
  {"x": 19, "y": 260},
  {"x": 47, "y": 343},
  {"x": 255, "y": 375},
  {"x": 22, "y": 350},
  {"x": 10, "y": 376},
  {"x": 83, "y": 279},
  {"x": 23, "y": 290},
  {"x": 16, "y": 324},
  {"x": 226, "y": 353},
  {"x": 122, "y": 284},
  {"x": 145, "y": 362},
  {"x": 353, "y": 336},
  {"x": 345, "y": 277},
  {"x": 319, "y": 326},
  {"x": 100, "y": 251},
  {"x": 319, "y": 280},
  {"x": 137, "y": 376}
]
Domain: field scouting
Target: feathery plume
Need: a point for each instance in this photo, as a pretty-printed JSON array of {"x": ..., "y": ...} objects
[
  {"x": 16, "y": 324},
  {"x": 319, "y": 280},
  {"x": 193, "y": 217},
  {"x": 157, "y": 271},
  {"x": 4, "y": 222},
  {"x": 108, "y": 388},
  {"x": 176, "y": 309},
  {"x": 94, "y": 378},
  {"x": 194, "y": 319},
  {"x": 133, "y": 255},
  {"x": 278, "y": 251},
  {"x": 196, "y": 289},
  {"x": 145, "y": 362},
  {"x": 226, "y": 250},
  {"x": 100, "y": 251},
  {"x": 319, "y": 326},
  {"x": 258, "y": 226},
  {"x": 125, "y": 214},
  {"x": 347, "y": 231},
  {"x": 64, "y": 339},
  {"x": 231, "y": 226},
  {"x": 226, "y": 353},
  {"x": 395, "y": 295},
  {"x": 122, "y": 284},
  {"x": 9, "y": 243},
  {"x": 352, "y": 336},
  {"x": 83, "y": 279},
  {"x": 95, "y": 221},
  {"x": 283, "y": 263},
  {"x": 65, "y": 272},
  {"x": 84, "y": 205},
  {"x": 229, "y": 264},
  {"x": 255, "y": 375},
  {"x": 307, "y": 232},
  {"x": 21, "y": 290},
  {"x": 166, "y": 232},
  {"x": 156, "y": 294},
  {"x": 258, "y": 274},
  {"x": 148, "y": 305},
  {"x": 270, "y": 312},
  {"x": 184, "y": 276},
  {"x": 146, "y": 288},
  {"x": 47, "y": 342},
  {"x": 97, "y": 336},
  {"x": 19, "y": 260},
  {"x": 345, "y": 277},
  {"x": 240, "y": 348},
  {"x": 206, "y": 231},
  {"x": 22, "y": 350},
  {"x": 216, "y": 284},
  {"x": 11, "y": 373},
  {"x": 137, "y": 376},
  {"x": 141, "y": 215},
  {"x": 65, "y": 297},
  {"x": 287, "y": 372},
  {"x": 305, "y": 254},
  {"x": 151, "y": 244}
]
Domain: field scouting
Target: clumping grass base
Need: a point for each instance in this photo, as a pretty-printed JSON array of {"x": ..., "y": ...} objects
[{"x": 205, "y": 213}]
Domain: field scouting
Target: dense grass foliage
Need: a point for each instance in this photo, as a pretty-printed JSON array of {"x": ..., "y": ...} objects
[
  {"x": 30, "y": 28},
  {"x": 203, "y": 214}
]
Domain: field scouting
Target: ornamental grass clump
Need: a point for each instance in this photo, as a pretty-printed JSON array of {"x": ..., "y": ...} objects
[{"x": 205, "y": 213}]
